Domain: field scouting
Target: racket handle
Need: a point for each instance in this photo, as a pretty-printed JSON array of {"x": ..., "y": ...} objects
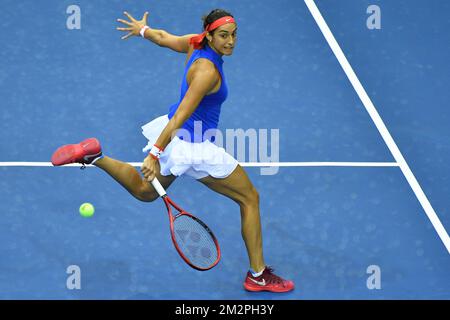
[{"x": 158, "y": 187}]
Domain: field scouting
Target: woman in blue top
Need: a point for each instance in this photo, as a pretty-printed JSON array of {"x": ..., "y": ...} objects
[{"x": 180, "y": 143}]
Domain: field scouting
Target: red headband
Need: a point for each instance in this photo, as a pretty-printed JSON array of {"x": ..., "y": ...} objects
[{"x": 197, "y": 40}]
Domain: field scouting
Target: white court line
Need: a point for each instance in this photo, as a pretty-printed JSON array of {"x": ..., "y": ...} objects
[
  {"x": 379, "y": 124},
  {"x": 244, "y": 164}
]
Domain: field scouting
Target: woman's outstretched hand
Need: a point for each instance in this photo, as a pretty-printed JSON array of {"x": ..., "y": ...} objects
[{"x": 134, "y": 26}]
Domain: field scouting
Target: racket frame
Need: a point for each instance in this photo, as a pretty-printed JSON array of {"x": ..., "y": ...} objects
[{"x": 169, "y": 204}]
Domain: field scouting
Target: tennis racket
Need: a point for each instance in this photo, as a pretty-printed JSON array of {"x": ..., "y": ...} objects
[{"x": 192, "y": 238}]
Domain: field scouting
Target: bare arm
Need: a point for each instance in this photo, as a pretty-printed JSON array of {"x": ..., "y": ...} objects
[
  {"x": 160, "y": 37},
  {"x": 165, "y": 39},
  {"x": 203, "y": 81}
]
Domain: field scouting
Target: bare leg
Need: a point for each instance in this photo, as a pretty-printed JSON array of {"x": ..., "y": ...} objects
[
  {"x": 131, "y": 179},
  {"x": 238, "y": 187}
]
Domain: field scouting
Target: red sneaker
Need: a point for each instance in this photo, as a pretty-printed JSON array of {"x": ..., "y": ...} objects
[
  {"x": 84, "y": 152},
  {"x": 268, "y": 281}
]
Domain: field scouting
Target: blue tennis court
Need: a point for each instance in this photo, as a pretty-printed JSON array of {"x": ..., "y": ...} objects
[{"x": 337, "y": 204}]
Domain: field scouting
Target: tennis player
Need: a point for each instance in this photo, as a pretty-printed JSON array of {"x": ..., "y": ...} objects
[{"x": 176, "y": 145}]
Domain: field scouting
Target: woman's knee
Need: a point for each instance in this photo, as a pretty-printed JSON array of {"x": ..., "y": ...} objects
[{"x": 250, "y": 197}]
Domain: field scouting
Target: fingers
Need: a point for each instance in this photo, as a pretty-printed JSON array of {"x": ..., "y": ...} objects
[
  {"x": 148, "y": 174},
  {"x": 125, "y": 29},
  {"x": 129, "y": 16},
  {"x": 144, "y": 18},
  {"x": 148, "y": 169},
  {"x": 125, "y": 22},
  {"x": 125, "y": 37}
]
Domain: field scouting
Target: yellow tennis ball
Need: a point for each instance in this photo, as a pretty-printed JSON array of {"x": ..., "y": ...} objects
[{"x": 87, "y": 210}]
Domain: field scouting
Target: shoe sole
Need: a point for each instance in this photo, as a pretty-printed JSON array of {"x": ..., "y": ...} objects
[
  {"x": 259, "y": 289},
  {"x": 73, "y": 149}
]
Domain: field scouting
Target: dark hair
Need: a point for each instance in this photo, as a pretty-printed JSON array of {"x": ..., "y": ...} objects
[{"x": 211, "y": 17}]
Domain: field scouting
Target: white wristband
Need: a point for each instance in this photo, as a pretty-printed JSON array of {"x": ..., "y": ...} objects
[
  {"x": 156, "y": 152},
  {"x": 142, "y": 32}
]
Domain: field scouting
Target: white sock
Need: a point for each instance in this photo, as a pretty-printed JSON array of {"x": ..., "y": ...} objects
[
  {"x": 98, "y": 158},
  {"x": 257, "y": 274}
]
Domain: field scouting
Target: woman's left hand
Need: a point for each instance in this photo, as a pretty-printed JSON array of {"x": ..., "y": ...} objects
[{"x": 134, "y": 26}]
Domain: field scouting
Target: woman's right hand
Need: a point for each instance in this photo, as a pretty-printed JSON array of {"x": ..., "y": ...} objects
[
  {"x": 149, "y": 168},
  {"x": 134, "y": 26}
]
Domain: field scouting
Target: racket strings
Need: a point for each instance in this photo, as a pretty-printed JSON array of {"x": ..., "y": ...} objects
[{"x": 195, "y": 242}]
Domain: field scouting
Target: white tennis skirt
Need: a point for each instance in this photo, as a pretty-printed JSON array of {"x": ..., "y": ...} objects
[{"x": 197, "y": 160}]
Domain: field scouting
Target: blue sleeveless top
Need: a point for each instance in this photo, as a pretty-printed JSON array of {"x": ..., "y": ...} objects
[{"x": 206, "y": 116}]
